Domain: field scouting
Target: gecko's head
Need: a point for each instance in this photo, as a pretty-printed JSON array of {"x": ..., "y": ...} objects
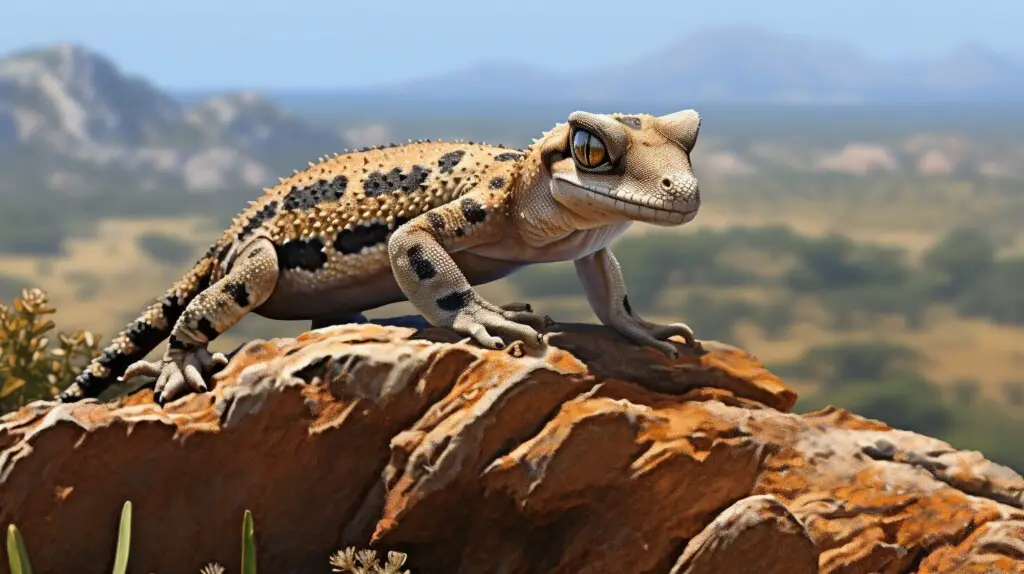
[{"x": 617, "y": 167}]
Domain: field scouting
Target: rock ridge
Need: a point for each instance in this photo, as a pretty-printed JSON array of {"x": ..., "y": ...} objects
[{"x": 595, "y": 455}]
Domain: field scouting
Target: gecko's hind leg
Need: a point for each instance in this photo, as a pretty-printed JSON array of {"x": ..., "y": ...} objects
[{"x": 248, "y": 284}]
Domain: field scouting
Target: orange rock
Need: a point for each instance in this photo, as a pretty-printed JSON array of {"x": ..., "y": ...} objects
[{"x": 595, "y": 456}]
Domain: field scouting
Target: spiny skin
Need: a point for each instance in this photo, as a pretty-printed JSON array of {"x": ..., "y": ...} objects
[{"x": 424, "y": 222}]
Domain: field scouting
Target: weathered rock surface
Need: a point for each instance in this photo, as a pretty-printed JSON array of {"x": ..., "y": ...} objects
[{"x": 596, "y": 456}]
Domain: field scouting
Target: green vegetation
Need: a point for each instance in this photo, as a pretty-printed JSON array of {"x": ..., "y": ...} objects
[
  {"x": 854, "y": 282},
  {"x": 165, "y": 248},
  {"x": 879, "y": 380},
  {"x": 348, "y": 560},
  {"x": 32, "y": 367}
]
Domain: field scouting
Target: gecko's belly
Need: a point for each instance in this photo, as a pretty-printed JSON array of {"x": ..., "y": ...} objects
[{"x": 359, "y": 283}]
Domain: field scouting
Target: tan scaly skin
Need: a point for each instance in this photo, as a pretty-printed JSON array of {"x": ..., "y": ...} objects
[{"x": 424, "y": 222}]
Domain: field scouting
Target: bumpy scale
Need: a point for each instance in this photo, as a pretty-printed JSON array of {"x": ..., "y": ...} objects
[{"x": 424, "y": 222}]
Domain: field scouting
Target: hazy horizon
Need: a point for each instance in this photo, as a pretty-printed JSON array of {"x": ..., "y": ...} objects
[{"x": 186, "y": 46}]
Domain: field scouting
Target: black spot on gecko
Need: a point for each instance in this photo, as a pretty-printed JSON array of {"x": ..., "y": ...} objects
[
  {"x": 497, "y": 183},
  {"x": 472, "y": 211},
  {"x": 263, "y": 214},
  {"x": 508, "y": 156},
  {"x": 302, "y": 198},
  {"x": 205, "y": 327},
  {"x": 301, "y": 254},
  {"x": 171, "y": 308},
  {"x": 176, "y": 343},
  {"x": 143, "y": 335},
  {"x": 350, "y": 241},
  {"x": 377, "y": 183},
  {"x": 631, "y": 121},
  {"x": 455, "y": 301},
  {"x": 238, "y": 291},
  {"x": 222, "y": 253},
  {"x": 448, "y": 161},
  {"x": 422, "y": 266},
  {"x": 109, "y": 356},
  {"x": 625, "y": 303},
  {"x": 436, "y": 221}
]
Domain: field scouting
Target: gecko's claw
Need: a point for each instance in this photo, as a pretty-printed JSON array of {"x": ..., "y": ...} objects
[
  {"x": 492, "y": 327},
  {"x": 655, "y": 335},
  {"x": 179, "y": 372}
]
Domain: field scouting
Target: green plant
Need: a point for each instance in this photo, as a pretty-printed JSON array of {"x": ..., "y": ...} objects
[
  {"x": 17, "y": 556},
  {"x": 30, "y": 367},
  {"x": 248, "y": 545},
  {"x": 124, "y": 535},
  {"x": 348, "y": 560}
]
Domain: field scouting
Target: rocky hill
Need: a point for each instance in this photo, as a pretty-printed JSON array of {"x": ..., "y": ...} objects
[
  {"x": 91, "y": 121},
  {"x": 595, "y": 456}
]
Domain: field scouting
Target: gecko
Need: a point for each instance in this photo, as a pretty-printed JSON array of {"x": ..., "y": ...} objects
[{"x": 424, "y": 222}]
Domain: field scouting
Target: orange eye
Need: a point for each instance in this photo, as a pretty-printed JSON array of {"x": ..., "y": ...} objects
[{"x": 588, "y": 149}]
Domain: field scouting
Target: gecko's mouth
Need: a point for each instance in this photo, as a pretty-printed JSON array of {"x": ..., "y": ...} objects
[{"x": 652, "y": 211}]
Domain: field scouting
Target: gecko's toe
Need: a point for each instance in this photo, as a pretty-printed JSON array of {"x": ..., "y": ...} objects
[
  {"x": 676, "y": 329},
  {"x": 142, "y": 368},
  {"x": 517, "y": 307}
]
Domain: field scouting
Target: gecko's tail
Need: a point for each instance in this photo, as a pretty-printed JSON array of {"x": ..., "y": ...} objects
[{"x": 141, "y": 335}]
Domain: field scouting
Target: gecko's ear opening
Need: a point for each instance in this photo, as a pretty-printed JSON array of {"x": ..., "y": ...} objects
[{"x": 681, "y": 127}]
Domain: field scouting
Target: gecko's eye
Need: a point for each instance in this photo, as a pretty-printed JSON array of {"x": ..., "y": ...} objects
[{"x": 588, "y": 150}]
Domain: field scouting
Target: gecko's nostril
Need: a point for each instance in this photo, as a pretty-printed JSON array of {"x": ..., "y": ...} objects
[{"x": 666, "y": 183}]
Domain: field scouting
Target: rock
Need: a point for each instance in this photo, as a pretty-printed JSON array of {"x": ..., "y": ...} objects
[{"x": 594, "y": 456}]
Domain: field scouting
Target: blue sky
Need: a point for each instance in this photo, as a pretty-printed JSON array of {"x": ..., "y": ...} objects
[{"x": 186, "y": 44}]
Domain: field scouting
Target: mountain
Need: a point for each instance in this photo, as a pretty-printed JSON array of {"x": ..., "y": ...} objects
[
  {"x": 740, "y": 64},
  {"x": 71, "y": 119},
  {"x": 90, "y": 120}
]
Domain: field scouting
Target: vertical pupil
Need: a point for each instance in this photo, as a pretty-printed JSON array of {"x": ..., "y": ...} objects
[{"x": 590, "y": 160}]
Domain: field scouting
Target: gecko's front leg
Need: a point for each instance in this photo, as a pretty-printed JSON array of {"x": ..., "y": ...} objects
[
  {"x": 606, "y": 291},
  {"x": 248, "y": 284},
  {"x": 438, "y": 289}
]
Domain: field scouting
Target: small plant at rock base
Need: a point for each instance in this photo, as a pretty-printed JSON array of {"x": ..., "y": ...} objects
[
  {"x": 248, "y": 545},
  {"x": 17, "y": 556},
  {"x": 348, "y": 560},
  {"x": 365, "y": 562},
  {"x": 31, "y": 368}
]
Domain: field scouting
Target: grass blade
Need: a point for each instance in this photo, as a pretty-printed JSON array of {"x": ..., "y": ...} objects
[
  {"x": 248, "y": 545},
  {"x": 124, "y": 536},
  {"x": 17, "y": 555}
]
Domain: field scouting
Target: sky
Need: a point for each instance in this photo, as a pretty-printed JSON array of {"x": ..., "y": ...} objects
[{"x": 324, "y": 44}]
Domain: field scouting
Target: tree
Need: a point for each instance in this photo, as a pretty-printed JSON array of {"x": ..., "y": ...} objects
[{"x": 960, "y": 260}]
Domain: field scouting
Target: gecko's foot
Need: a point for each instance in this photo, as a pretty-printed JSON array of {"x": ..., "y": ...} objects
[
  {"x": 178, "y": 372},
  {"x": 655, "y": 335},
  {"x": 494, "y": 327}
]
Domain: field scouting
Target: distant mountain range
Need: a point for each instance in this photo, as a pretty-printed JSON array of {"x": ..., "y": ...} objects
[
  {"x": 70, "y": 119},
  {"x": 738, "y": 64}
]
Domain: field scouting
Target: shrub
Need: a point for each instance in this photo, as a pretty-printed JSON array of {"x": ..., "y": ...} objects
[
  {"x": 839, "y": 363},
  {"x": 965, "y": 391},
  {"x": 1013, "y": 391},
  {"x": 165, "y": 248},
  {"x": 31, "y": 368}
]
